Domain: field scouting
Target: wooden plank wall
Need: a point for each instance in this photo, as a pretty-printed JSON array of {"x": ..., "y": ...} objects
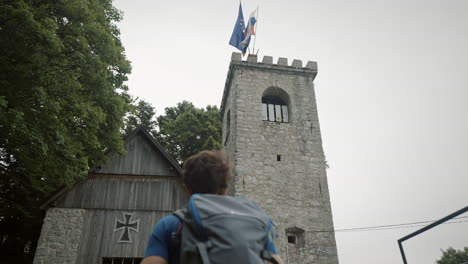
[
  {"x": 125, "y": 193},
  {"x": 106, "y": 198},
  {"x": 143, "y": 183},
  {"x": 142, "y": 159},
  {"x": 99, "y": 240}
]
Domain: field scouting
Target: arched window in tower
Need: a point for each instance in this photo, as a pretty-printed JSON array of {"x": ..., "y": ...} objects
[
  {"x": 275, "y": 105},
  {"x": 228, "y": 121},
  {"x": 228, "y": 126}
]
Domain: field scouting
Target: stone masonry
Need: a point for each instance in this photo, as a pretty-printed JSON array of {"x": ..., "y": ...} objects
[
  {"x": 280, "y": 165},
  {"x": 60, "y": 236}
]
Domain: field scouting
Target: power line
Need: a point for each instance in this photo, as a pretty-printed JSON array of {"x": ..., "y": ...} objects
[
  {"x": 394, "y": 227},
  {"x": 412, "y": 224},
  {"x": 386, "y": 227}
]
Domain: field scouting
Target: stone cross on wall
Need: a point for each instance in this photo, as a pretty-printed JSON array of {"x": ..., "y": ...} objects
[{"x": 126, "y": 225}]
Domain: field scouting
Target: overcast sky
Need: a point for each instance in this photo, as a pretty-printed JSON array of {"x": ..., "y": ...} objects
[{"x": 391, "y": 92}]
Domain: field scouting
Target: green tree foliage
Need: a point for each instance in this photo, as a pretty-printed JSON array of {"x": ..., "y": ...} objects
[
  {"x": 453, "y": 256},
  {"x": 62, "y": 102},
  {"x": 141, "y": 114},
  {"x": 185, "y": 130}
]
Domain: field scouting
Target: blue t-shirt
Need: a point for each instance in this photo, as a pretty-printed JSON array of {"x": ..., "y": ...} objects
[{"x": 161, "y": 239}]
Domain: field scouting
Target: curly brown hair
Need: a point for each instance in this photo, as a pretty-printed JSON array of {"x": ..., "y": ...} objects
[{"x": 207, "y": 172}]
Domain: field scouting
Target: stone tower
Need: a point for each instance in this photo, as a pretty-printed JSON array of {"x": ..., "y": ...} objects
[{"x": 271, "y": 132}]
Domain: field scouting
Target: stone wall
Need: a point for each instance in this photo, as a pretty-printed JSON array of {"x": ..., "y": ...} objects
[
  {"x": 294, "y": 190},
  {"x": 229, "y": 132},
  {"x": 60, "y": 236}
]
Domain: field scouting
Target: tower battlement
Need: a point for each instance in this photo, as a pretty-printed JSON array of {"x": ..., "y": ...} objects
[
  {"x": 296, "y": 68},
  {"x": 268, "y": 60}
]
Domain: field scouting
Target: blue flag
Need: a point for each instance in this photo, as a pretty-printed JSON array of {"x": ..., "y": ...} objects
[{"x": 238, "y": 33}]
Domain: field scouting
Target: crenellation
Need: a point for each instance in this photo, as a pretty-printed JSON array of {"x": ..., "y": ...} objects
[
  {"x": 236, "y": 56},
  {"x": 296, "y": 63},
  {"x": 268, "y": 60},
  {"x": 283, "y": 61},
  {"x": 311, "y": 65},
  {"x": 251, "y": 58}
]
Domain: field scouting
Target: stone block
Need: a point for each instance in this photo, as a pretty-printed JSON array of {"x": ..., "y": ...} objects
[
  {"x": 297, "y": 63},
  {"x": 312, "y": 65},
  {"x": 40, "y": 252},
  {"x": 252, "y": 58},
  {"x": 282, "y": 61},
  {"x": 267, "y": 59},
  {"x": 236, "y": 56}
]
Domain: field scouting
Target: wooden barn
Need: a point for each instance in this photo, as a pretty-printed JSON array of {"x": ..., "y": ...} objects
[{"x": 108, "y": 217}]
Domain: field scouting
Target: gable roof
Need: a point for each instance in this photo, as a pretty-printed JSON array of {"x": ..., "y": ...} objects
[
  {"x": 145, "y": 156},
  {"x": 96, "y": 170},
  {"x": 156, "y": 145}
]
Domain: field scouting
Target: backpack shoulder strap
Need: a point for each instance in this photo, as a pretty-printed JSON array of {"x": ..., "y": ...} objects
[
  {"x": 190, "y": 215},
  {"x": 196, "y": 216},
  {"x": 180, "y": 214}
]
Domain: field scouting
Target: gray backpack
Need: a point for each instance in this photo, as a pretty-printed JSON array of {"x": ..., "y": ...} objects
[{"x": 224, "y": 229}]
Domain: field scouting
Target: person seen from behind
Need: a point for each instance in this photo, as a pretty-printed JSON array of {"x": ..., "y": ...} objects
[{"x": 206, "y": 178}]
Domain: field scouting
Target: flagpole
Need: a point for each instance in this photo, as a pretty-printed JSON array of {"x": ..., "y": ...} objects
[{"x": 255, "y": 40}]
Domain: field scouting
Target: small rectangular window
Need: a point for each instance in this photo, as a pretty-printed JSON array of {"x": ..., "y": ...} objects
[
  {"x": 295, "y": 236},
  {"x": 278, "y": 157}
]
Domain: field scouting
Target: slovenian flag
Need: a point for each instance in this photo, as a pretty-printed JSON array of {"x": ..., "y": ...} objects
[{"x": 249, "y": 30}]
